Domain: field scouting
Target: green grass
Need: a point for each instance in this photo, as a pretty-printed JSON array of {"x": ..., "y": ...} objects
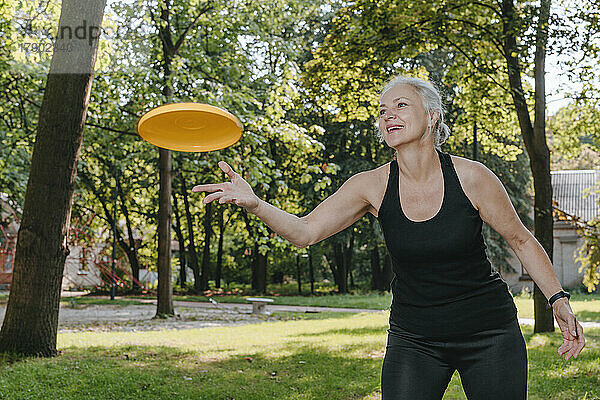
[
  {"x": 586, "y": 308},
  {"x": 304, "y": 359}
]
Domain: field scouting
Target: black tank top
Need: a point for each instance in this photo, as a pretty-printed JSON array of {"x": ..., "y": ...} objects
[{"x": 444, "y": 284}]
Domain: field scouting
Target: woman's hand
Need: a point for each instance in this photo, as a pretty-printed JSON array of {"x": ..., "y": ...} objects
[
  {"x": 572, "y": 331},
  {"x": 238, "y": 191}
]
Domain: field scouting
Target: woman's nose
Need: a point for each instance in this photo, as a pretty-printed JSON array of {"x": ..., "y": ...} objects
[{"x": 389, "y": 115}]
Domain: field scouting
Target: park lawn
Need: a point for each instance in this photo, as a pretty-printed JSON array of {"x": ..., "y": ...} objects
[
  {"x": 585, "y": 309},
  {"x": 337, "y": 358}
]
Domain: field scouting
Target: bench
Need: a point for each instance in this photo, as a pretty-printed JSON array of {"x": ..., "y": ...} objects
[{"x": 259, "y": 304}]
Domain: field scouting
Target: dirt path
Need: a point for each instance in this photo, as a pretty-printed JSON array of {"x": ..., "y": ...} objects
[{"x": 189, "y": 315}]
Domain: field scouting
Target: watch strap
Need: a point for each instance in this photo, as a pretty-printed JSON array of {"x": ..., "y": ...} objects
[{"x": 557, "y": 296}]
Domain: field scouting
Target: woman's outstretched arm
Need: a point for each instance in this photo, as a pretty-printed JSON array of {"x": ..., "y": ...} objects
[{"x": 334, "y": 214}]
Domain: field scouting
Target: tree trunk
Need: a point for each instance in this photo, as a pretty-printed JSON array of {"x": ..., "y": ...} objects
[
  {"x": 170, "y": 48},
  {"x": 31, "y": 320},
  {"x": 375, "y": 269},
  {"x": 298, "y": 277},
  {"x": 255, "y": 280},
  {"x": 219, "y": 266},
  {"x": 311, "y": 274},
  {"x": 262, "y": 273},
  {"x": 198, "y": 285},
  {"x": 130, "y": 248},
  {"x": 347, "y": 260},
  {"x": 341, "y": 264},
  {"x": 177, "y": 227},
  {"x": 164, "y": 295},
  {"x": 206, "y": 249},
  {"x": 534, "y": 137},
  {"x": 254, "y": 266}
]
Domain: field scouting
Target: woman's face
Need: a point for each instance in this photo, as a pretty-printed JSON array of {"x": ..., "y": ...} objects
[{"x": 402, "y": 117}]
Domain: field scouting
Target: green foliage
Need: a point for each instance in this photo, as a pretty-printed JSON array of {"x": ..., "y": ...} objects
[
  {"x": 574, "y": 127},
  {"x": 589, "y": 254},
  {"x": 576, "y": 139},
  {"x": 303, "y": 78}
]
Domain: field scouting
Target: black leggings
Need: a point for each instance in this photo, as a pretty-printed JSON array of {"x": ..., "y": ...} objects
[{"x": 492, "y": 365}]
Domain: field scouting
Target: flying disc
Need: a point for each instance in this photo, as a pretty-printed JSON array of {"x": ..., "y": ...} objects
[{"x": 190, "y": 127}]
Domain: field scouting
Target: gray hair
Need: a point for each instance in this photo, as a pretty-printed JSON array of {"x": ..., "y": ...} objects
[{"x": 432, "y": 102}]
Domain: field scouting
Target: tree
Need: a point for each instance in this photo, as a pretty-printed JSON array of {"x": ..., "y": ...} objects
[
  {"x": 534, "y": 136},
  {"x": 31, "y": 320},
  {"x": 171, "y": 43}
]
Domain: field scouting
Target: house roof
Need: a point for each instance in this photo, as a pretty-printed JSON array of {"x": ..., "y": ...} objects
[{"x": 570, "y": 188}]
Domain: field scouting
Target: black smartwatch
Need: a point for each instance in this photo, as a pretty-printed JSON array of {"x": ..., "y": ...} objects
[{"x": 557, "y": 296}]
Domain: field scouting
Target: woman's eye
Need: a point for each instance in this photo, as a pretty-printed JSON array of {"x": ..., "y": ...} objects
[
  {"x": 381, "y": 112},
  {"x": 400, "y": 105}
]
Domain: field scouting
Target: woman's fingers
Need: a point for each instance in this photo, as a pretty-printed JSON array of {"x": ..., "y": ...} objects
[
  {"x": 225, "y": 199},
  {"x": 237, "y": 191},
  {"x": 222, "y": 197},
  {"x": 211, "y": 187},
  {"x": 227, "y": 169},
  {"x": 571, "y": 352},
  {"x": 572, "y": 347},
  {"x": 562, "y": 349},
  {"x": 213, "y": 196},
  {"x": 580, "y": 344},
  {"x": 208, "y": 187}
]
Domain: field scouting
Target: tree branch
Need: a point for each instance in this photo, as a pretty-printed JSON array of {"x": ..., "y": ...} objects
[
  {"x": 472, "y": 61},
  {"x": 181, "y": 38},
  {"x": 112, "y": 129},
  {"x": 497, "y": 43}
]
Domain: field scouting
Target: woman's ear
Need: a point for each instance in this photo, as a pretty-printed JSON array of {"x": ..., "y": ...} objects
[{"x": 433, "y": 118}]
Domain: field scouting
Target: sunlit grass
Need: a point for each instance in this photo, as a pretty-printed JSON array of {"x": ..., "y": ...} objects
[{"x": 302, "y": 359}]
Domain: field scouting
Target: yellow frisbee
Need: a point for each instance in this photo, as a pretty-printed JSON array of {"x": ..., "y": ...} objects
[{"x": 190, "y": 127}]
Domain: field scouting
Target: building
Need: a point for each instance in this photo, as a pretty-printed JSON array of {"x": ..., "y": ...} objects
[{"x": 575, "y": 202}]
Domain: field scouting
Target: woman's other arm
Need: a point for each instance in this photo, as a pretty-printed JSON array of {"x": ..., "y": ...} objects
[
  {"x": 334, "y": 214},
  {"x": 496, "y": 209}
]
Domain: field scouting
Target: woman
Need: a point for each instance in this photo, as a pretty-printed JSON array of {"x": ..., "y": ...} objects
[{"x": 449, "y": 310}]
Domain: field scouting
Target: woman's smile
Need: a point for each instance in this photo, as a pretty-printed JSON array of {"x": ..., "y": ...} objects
[{"x": 394, "y": 127}]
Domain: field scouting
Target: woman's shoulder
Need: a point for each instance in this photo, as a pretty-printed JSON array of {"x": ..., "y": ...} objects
[
  {"x": 374, "y": 185},
  {"x": 377, "y": 174},
  {"x": 467, "y": 169},
  {"x": 473, "y": 176}
]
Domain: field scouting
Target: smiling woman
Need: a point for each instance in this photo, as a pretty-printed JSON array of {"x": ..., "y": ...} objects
[
  {"x": 430, "y": 100},
  {"x": 450, "y": 310}
]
